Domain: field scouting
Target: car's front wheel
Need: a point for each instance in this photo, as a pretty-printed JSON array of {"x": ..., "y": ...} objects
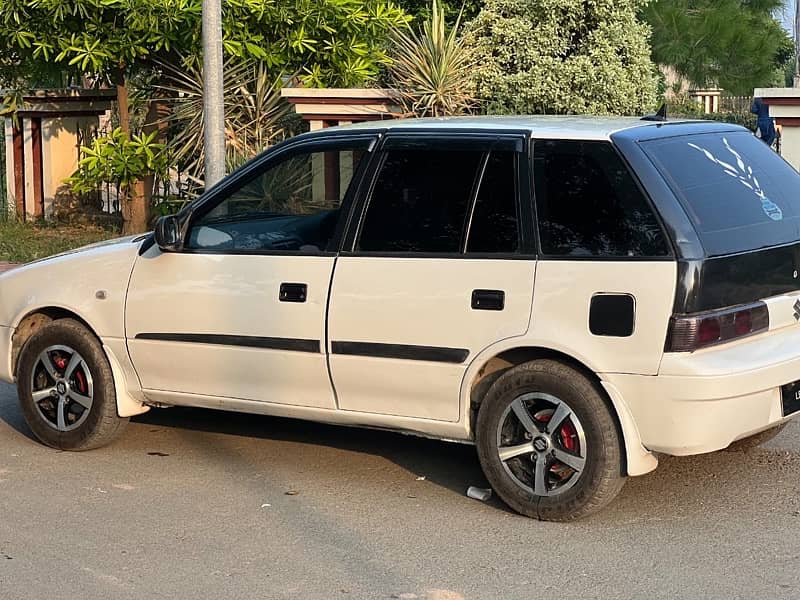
[
  {"x": 548, "y": 442},
  {"x": 66, "y": 388}
]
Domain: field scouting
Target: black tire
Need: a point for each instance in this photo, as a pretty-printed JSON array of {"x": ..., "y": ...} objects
[
  {"x": 81, "y": 428},
  {"x": 749, "y": 443},
  {"x": 576, "y": 494}
]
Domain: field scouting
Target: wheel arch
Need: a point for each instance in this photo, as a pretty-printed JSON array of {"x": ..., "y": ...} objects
[
  {"x": 129, "y": 398},
  {"x": 29, "y": 323},
  {"x": 490, "y": 365}
]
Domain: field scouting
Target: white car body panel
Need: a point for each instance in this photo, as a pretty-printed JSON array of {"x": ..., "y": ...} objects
[
  {"x": 71, "y": 282},
  {"x": 232, "y": 295},
  {"x": 564, "y": 290},
  {"x": 419, "y": 302}
]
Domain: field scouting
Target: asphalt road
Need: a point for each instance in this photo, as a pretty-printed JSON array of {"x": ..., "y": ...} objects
[{"x": 195, "y": 504}]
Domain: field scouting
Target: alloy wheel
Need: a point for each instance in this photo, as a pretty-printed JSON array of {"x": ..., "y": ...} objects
[
  {"x": 62, "y": 387},
  {"x": 541, "y": 444}
]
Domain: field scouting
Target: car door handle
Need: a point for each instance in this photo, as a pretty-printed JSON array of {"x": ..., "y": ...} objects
[
  {"x": 488, "y": 300},
  {"x": 293, "y": 292}
]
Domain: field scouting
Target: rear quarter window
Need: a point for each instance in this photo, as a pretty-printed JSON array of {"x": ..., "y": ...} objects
[
  {"x": 589, "y": 205},
  {"x": 738, "y": 193}
]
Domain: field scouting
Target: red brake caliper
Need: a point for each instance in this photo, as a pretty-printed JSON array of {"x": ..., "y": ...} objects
[
  {"x": 81, "y": 378},
  {"x": 569, "y": 436},
  {"x": 61, "y": 364},
  {"x": 567, "y": 431}
]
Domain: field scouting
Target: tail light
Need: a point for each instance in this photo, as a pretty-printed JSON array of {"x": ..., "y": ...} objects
[{"x": 688, "y": 333}]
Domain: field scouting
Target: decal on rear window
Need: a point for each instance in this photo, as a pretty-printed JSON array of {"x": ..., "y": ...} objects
[
  {"x": 737, "y": 192},
  {"x": 744, "y": 173}
]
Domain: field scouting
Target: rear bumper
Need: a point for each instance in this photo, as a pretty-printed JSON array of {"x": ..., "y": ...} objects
[
  {"x": 672, "y": 418},
  {"x": 704, "y": 401}
]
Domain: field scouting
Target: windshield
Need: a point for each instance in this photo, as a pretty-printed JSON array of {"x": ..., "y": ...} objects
[{"x": 739, "y": 194}]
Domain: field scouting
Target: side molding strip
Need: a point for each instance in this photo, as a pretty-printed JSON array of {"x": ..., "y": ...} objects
[
  {"x": 401, "y": 351},
  {"x": 246, "y": 341}
]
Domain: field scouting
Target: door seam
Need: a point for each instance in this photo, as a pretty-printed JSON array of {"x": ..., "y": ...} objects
[{"x": 327, "y": 336}]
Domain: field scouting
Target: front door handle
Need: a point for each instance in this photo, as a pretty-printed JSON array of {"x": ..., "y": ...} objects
[
  {"x": 488, "y": 300},
  {"x": 293, "y": 292}
]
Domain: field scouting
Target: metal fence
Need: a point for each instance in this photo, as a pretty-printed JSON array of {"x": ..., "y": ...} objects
[
  {"x": 168, "y": 193},
  {"x": 740, "y": 104}
]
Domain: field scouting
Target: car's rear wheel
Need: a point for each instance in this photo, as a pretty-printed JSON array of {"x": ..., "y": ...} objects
[
  {"x": 548, "y": 442},
  {"x": 66, "y": 388}
]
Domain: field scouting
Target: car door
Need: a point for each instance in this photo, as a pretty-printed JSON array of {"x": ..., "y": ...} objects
[
  {"x": 435, "y": 271},
  {"x": 240, "y": 312},
  {"x": 605, "y": 283}
]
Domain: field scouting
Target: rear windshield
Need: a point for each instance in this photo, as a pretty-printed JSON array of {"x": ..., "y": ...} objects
[{"x": 739, "y": 194}]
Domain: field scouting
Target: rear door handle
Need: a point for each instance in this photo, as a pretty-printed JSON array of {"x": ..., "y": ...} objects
[
  {"x": 488, "y": 300},
  {"x": 293, "y": 292}
]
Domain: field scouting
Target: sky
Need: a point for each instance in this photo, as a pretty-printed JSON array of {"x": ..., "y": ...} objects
[{"x": 787, "y": 16}]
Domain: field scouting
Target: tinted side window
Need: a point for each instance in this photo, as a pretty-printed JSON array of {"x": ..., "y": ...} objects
[
  {"x": 420, "y": 201},
  {"x": 588, "y": 204},
  {"x": 494, "y": 220},
  {"x": 293, "y": 205}
]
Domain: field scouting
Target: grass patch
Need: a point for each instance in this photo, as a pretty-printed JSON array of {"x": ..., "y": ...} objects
[{"x": 23, "y": 242}]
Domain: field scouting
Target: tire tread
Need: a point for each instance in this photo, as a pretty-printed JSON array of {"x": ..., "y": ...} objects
[
  {"x": 582, "y": 500},
  {"x": 103, "y": 424}
]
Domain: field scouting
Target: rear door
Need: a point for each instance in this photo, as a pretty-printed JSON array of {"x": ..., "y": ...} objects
[
  {"x": 605, "y": 283},
  {"x": 437, "y": 269}
]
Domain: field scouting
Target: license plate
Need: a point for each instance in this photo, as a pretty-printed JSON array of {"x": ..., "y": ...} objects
[{"x": 790, "y": 395}]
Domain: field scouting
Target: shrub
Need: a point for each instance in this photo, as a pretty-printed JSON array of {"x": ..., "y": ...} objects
[
  {"x": 563, "y": 56},
  {"x": 119, "y": 160},
  {"x": 431, "y": 68}
]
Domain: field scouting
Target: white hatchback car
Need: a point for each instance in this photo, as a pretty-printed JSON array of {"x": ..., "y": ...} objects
[{"x": 573, "y": 295}]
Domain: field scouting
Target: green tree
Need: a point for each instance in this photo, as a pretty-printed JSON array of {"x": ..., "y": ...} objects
[
  {"x": 329, "y": 42},
  {"x": 421, "y": 9},
  {"x": 734, "y": 44},
  {"x": 563, "y": 56}
]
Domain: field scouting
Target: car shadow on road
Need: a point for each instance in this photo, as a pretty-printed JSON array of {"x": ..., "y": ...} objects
[
  {"x": 10, "y": 412},
  {"x": 711, "y": 484},
  {"x": 451, "y": 465},
  {"x": 741, "y": 481}
]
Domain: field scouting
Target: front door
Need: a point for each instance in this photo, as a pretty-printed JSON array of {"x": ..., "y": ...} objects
[
  {"x": 436, "y": 272},
  {"x": 240, "y": 313}
]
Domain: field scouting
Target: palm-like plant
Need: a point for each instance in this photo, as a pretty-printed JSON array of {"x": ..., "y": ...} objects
[
  {"x": 254, "y": 114},
  {"x": 431, "y": 67}
]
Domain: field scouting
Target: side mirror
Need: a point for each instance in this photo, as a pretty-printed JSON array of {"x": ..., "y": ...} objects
[{"x": 168, "y": 234}]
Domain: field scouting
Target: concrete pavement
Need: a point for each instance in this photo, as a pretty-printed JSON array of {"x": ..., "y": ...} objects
[{"x": 202, "y": 504}]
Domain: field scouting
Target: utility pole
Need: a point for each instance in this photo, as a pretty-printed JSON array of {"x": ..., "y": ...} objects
[
  {"x": 797, "y": 43},
  {"x": 213, "y": 94}
]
